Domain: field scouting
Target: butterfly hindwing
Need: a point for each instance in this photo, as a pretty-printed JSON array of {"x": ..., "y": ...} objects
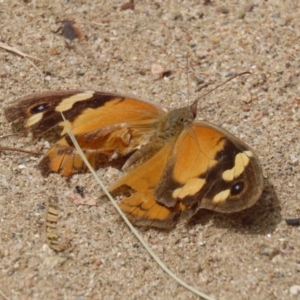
[{"x": 205, "y": 167}]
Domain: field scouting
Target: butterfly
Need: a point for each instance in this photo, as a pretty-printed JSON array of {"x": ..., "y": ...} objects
[{"x": 173, "y": 165}]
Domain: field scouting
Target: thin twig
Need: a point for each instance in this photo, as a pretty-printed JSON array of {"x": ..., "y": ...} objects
[
  {"x": 35, "y": 66},
  {"x": 16, "y": 51},
  {"x": 18, "y": 150},
  {"x": 3, "y": 295},
  {"x": 24, "y": 55}
]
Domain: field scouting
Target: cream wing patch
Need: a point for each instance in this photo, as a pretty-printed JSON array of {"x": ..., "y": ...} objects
[
  {"x": 240, "y": 163},
  {"x": 192, "y": 186},
  {"x": 221, "y": 197},
  {"x": 68, "y": 103},
  {"x": 34, "y": 119}
]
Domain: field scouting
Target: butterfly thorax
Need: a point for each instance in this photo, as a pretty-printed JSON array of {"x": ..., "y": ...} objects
[
  {"x": 174, "y": 122},
  {"x": 168, "y": 127}
]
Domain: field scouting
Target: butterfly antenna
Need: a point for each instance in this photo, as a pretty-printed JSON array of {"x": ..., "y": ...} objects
[
  {"x": 3, "y": 148},
  {"x": 194, "y": 105}
]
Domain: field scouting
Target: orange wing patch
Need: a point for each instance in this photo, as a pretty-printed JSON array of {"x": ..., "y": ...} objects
[
  {"x": 196, "y": 150},
  {"x": 115, "y": 113},
  {"x": 141, "y": 206},
  {"x": 62, "y": 158},
  {"x": 143, "y": 210},
  {"x": 107, "y": 136}
]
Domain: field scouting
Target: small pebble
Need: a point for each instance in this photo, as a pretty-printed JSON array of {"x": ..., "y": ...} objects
[
  {"x": 295, "y": 290},
  {"x": 223, "y": 10},
  {"x": 248, "y": 6}
]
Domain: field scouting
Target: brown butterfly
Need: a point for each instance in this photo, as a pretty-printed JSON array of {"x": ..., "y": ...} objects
[{"x": 173, "y": 164}]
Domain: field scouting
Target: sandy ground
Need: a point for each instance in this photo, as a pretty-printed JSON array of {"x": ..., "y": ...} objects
[{"x": 249, "y": 255}]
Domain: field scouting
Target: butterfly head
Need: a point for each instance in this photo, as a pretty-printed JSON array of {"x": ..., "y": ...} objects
[{"x": 176, "y": 120}]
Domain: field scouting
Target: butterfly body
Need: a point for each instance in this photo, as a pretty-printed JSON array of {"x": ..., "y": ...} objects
[{"x": 173, "y": 163}]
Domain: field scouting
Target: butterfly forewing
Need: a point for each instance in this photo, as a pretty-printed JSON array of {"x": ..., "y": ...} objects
[
  {"x": 43, "y": 111},
  {"x": 108, "y": 127}
]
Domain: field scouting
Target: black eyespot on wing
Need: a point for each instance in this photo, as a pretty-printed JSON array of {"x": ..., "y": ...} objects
[
  {"x": 237, "y": 188},
  {"x": 39, "y": 108}
]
